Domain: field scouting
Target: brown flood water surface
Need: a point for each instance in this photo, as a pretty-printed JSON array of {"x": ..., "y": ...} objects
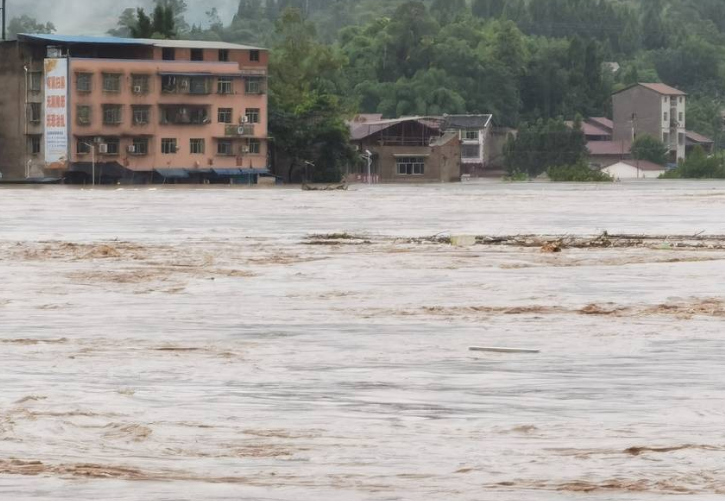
[{"x": 225, "y": 344}]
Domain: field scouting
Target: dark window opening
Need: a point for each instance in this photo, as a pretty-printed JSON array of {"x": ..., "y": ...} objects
[
  {"x": 168, "y": 54},
  {"x": 197, "y": 54}
]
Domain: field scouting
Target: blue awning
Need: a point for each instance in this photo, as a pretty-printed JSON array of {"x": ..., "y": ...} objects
[
  {"x": 252, "y": 172},
  {"x": 172, "y": 173},
  {"x": 227, "y": 172}
]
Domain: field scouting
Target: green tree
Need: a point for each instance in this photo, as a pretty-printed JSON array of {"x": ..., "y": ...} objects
[
  {"x": 306, "y": 114},
  {"x": 143, "y": 28},
  {"x": 545, "y": 144},
  {"x": 488, "y": 8},
  {"x": 649, "y": 148},
  {"x": 27, "y": 24}
]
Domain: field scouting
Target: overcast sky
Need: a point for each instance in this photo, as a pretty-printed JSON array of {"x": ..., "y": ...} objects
[{"x": 94, "y": 17}]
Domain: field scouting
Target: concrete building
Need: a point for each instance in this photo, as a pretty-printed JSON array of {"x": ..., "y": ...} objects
[
  {"x": 132, "y": 110},
  {"x": 406, "y": 150},
  {"x": 654, "y": 109},
  {"x": 474, "y": 132},
  {"x": 635, "y": 169}
]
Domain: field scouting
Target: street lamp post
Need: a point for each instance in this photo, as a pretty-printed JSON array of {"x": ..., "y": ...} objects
[
  {"x": 306, "y": 165},
  {"x": 369, "y": 158}
]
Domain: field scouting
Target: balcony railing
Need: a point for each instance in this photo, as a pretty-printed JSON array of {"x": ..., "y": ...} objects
[{"x": 244, "y": 130}]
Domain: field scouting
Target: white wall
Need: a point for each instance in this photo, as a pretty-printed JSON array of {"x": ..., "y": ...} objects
[{"x": 625, "y": 171}]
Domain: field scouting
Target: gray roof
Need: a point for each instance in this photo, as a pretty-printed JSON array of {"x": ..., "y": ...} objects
[
  {"x": 179, "y": 44},
  {"x": 467, "y": 121}
]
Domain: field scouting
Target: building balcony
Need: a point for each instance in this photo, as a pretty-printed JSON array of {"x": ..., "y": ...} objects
[
  {"x": 244, "y": 130},
  {"x": 184, "y": 115}
]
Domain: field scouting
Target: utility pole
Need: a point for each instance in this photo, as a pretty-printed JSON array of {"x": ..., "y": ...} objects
[{"x": 4, "y": 17}]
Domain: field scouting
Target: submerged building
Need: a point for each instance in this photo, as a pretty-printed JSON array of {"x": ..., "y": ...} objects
[{"x": 132, "y": 110}]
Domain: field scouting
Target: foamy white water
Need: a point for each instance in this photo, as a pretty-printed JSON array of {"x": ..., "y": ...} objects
[{"x": 196, "y": 344}]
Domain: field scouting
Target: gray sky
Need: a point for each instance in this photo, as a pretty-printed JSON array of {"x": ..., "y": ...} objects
[{"x": 94, "y": 17}]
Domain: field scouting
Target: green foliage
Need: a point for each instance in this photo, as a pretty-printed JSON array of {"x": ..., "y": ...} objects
[
  {"x": 27, "y": 24},
  {"x": 699, "y": 166},
  {"x": 579, "y": 172},
  {"x": 649, "y": 148},
  {"x": 161, "y": 25},
  {"x": 306, "y": 117},
  {"x": 545, "y": 144}
]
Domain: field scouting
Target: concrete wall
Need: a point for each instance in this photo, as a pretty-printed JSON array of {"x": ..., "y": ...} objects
[
  {"x": 655, "y": 116},
  {"x": 442, "y": 164},
  {"x": 626, "y": 171},
  {"x": 15, "y": 156},
  {"x": 211, "y": 132},
  {"x": 648, "y": 107},
  {"x": 15, "y": 129}
]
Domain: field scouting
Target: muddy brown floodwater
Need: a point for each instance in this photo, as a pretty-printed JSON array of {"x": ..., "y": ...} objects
[{"x": 224, "y": 344}]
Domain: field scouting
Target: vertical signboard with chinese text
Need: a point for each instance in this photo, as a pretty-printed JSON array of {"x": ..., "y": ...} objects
[{"x": 56, "y": 113}]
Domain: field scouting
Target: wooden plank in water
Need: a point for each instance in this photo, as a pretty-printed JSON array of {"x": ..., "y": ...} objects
[{"x": 493, "y": 349}]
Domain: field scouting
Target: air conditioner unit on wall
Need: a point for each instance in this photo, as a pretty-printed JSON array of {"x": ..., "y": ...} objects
[
  {"x": 245, "y": 149},
  {"x": 131, "y": 149},
  {"x": 240, "y": 131},
  {"x": 137, "y": 89},
  {"x": 103, "y": 148}
]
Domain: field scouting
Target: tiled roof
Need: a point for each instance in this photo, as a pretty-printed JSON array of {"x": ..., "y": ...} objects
[
  {"x": 467, "y": 121},
  {"x": 660, "y": 88},
  {"x": 603, "y": 121},
  {"x": 698, "y": 138},
  {"x": 644, "y": 165},
  {"x": 362, "y": 130}
]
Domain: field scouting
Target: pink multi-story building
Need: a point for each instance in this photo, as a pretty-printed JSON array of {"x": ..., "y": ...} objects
[{"x": 132, "y": 110}]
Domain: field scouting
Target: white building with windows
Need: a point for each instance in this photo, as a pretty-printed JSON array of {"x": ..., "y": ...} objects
[{"x": 474, "y": 132}]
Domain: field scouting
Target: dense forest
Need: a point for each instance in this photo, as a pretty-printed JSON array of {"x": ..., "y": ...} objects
[{"x": 521, "y": 60}]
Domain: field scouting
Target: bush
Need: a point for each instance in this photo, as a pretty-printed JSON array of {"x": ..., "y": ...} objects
[
  {"x": 698, "y": 166},
  {"x": 577, "y": 173},
  {"x": 517, "y": 176}
]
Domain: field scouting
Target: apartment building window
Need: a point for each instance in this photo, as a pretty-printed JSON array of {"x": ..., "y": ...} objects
[
  {"x": 682, "y": 99},
  {"x": 470, "y": 151},
  {"x": 252, "y": 115},
  {"x": 141, "y": 115},
  {"x": 223, "y": 55},
  {"x": 168, "y": 83},
  {"x": 666, "y": 139},
  {"x": 83, "y": 114},
  {"x": 253, "y": 86},
  {"x": 168, "y": 54},
  {"x": 198, "y": 85},
  {"x": 34, "y": 112},
  {"x": 254, "y": 55},
  {"x": 34, "y": 144},
  {"x": 140, "y": 146},
  {"x": 113, "y": 145},
  {"x": 255, "y": 146},
  {"x": 197, "y": 54},
  {"x": 196, "y": 146},
  {"x": 470, "y": 135},
  {"x": 83, "y": 146},
  {"x": 225, "y": 85},
  {"x": 168, "y": 146},
  {"x": 225, "y": 148},
  {"x": 84, "y": 82},
  {"x": 112, "y": 114},
  {"x": 681, "y": 118},
  {"x": 36, "y": 81},
  {"x": 140, "y": 84},
  {"x": 666, "y": 116},
  {"x": 410, "y": 166},
  {"x": 224, "y": 115},
  {"x": 111, "y": 82},
  {"x": 681, "y": 138}
]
